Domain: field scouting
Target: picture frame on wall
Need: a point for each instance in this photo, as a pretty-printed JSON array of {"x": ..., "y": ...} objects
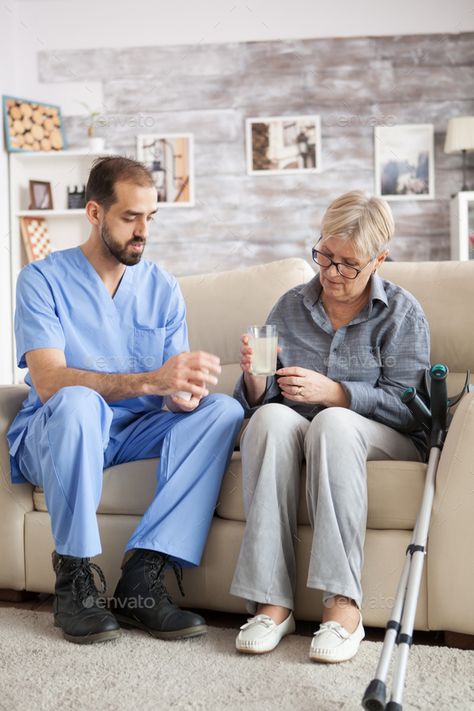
[
  {"x": 170, "y": 159},
  {"x": 278, "y": 145},
  {"x": 32, "y": 125},
  {"x": 41, "y": 197},
  {"x": 404, "y": 162}
]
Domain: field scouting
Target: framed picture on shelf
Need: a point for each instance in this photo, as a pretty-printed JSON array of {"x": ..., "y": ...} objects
[
  {"x": 34, "y": 231},
  {"x": 170, "y": 158},
  {"x": 283, "y": 144},
  {"x": 76, "y": 198},
  {"x": 404, "y": 162},
  {"x": 32, "y": 125},
  {"x": 41, "y": 197}
]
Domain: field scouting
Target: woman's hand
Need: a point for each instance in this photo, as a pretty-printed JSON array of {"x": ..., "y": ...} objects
[
  {"x": 246, "y": 354},
  {"x": 309, "y": 387},
  {"x": 255, "y": 385}
]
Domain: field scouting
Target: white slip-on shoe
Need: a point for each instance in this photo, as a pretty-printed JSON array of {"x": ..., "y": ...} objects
[
  {"x": 332, "y": 643},
  {"x": 261, "y": 634}
]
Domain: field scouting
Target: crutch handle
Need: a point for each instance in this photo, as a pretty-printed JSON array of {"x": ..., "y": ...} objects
[
  {"x": 439, "y": 403},
  {"x": 417, "y": 408}
]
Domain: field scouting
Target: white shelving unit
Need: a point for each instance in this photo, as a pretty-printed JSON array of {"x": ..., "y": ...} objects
[
  {"x": 49, "y": 213},
  {"x": 67, "y": 228},
  {"x": 462, "y": 226},
  {"x": 62, "y": 169}
]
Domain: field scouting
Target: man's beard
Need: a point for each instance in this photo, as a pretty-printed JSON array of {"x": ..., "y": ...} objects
[{"x": 121, "y": 254}]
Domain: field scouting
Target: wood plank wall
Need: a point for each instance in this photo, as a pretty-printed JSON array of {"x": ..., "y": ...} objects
[{"x": 209, "y": 90}]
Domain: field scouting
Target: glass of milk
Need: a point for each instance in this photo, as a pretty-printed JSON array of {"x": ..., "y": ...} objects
[{"x": 263, "y": 340}]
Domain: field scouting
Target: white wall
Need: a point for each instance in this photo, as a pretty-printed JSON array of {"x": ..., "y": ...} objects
[
  {"x": 7, "y": 86},
  {"x": 117, "y": 23},
  {"x": 29, "y": 26},
  {"x": 69, "y": 24}
]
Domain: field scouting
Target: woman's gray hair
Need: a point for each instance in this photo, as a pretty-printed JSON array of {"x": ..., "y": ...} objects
[{"x": 364, "y": 220}]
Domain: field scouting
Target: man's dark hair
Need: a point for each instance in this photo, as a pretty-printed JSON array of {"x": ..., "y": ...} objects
[{"x": 109, "y": 170}]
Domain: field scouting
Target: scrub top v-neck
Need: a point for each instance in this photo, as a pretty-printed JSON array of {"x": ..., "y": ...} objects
[{"x": 63, "y": 303}]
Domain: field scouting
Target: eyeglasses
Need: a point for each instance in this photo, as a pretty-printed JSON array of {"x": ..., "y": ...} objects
[{"x": 345, "y": 270}]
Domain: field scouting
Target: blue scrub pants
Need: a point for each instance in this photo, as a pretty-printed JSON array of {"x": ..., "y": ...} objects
[{"x": 76, "y": 434}]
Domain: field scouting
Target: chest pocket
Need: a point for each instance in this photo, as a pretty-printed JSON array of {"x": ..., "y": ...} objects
[
  {"x": 362, "y": 363},
  {"x": 148, "y": 347}
]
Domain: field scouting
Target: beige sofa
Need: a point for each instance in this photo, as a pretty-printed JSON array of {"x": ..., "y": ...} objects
[{"x": 220, "y": 306}]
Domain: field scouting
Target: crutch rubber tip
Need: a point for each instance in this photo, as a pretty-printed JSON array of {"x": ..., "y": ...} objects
[
  {"x": 393, "y": 706},
  {"x": 374, "y": 697}
]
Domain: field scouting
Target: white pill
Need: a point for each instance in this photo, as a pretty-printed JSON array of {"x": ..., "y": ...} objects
[{"x": 184, "y": 395}]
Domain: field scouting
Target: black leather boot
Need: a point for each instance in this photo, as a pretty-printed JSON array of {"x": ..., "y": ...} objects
[
  {"x": 141, "y": 599},
  {"x": 77, "y": 609}
]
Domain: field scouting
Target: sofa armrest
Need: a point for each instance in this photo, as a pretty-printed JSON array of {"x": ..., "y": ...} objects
[
  {"x": 451, "y": 539},
  {"x": 15, "y": 499}
]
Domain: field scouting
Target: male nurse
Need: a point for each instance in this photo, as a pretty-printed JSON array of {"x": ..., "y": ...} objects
[{"x": 103, "y": 335}]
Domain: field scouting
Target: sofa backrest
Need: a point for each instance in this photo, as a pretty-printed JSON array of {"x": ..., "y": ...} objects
[
  {"x": 221, "y": 305},
  {"x": 445, "y": 290}
]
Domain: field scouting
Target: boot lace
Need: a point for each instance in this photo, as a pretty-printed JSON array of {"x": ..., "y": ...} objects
[
  {"x": 83, "y": 585},
  {"x": 156, "y": 568}
]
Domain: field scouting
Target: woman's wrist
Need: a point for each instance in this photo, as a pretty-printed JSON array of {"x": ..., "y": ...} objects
[
  {"x": 255, "y": 387},
  {"x": 336, "y": 395}
]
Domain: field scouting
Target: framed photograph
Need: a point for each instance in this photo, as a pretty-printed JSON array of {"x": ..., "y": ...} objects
[
  {"x": 32, "y": 126},
  {"x": 170, "y": 158},
  {"x": 404, "y": 162},
  {"x": 41, "y": 197},
  {"x": 283, "y": 144},
  {"x": 34, "y": 231}
]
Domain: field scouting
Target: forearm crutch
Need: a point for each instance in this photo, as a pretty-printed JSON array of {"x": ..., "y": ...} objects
[{"x": 399, "y": 629}]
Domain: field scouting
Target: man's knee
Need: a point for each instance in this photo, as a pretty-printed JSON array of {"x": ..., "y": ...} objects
[
  {"x": 225, "y": 406},
  {"x": 76, "y": 402}
]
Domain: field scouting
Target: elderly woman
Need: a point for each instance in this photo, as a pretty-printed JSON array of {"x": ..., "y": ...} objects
[{"x": 351, "y": 342}]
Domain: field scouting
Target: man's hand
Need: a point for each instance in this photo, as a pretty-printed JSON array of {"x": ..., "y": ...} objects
[
  {"x": 189, "y": 372},
  {"x": 311, "y": 388},
  {"x": 178, "y": 404}
]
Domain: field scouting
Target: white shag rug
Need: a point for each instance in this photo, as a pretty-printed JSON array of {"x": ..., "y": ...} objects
[{"x": 40, "y": 670}]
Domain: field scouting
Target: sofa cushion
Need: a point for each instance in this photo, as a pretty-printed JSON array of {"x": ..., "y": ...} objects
[
  {"x": 127, "y": 488},
  {"x": 395, "y": 492}
]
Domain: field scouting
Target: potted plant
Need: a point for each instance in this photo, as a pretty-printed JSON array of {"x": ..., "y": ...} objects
[{"x": 94, "y": 118}]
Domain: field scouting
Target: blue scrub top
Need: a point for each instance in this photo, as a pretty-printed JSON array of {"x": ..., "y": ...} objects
[{"x": 63, "y": 303}]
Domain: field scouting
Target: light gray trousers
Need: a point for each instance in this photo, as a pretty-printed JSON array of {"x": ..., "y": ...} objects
[{"x": 336, "y": 446}]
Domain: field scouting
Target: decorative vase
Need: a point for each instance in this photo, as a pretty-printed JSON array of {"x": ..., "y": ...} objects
[{"x": 96, "y": 144}]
